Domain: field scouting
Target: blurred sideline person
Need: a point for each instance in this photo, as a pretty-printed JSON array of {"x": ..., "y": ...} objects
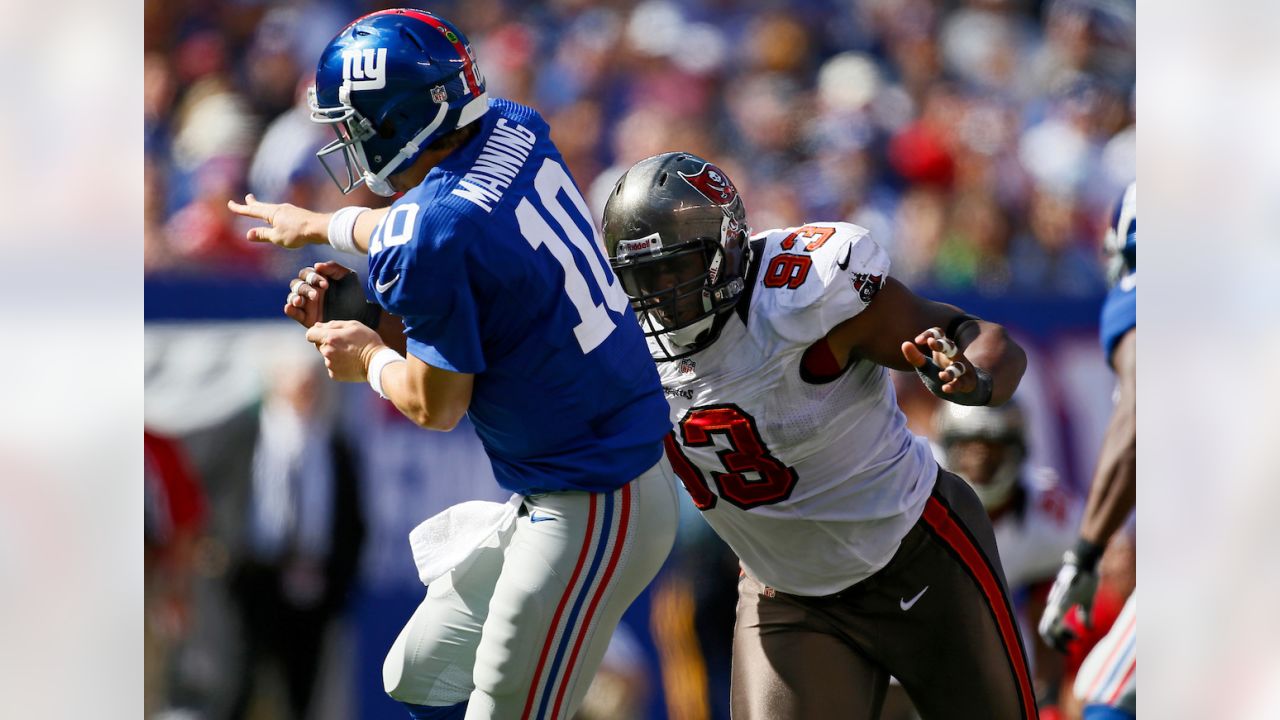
[
  {"x": 861, "y": 557},
  {"x": 1107, "y": 683},
  {"x": 1033, "y": 515},
  {"x": 489, "y": 274},
  {"x": 174, "y": 518},
  {"x": 304, "y": 530}
]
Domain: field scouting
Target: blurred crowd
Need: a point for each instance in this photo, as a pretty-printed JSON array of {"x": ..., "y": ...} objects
[{"x": 982, "y": 141}]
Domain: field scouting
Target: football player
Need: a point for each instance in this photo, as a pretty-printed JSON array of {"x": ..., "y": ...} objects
[
  {"x": 1034, "y": 517},
  {"x": 493, "y": 298},
  {"x": 1107, "y": 682},
  {"x": 861, "y": 558}
]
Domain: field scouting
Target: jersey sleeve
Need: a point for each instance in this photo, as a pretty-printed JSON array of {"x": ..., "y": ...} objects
[
  {"x": 813, "y": 278},
  {"x": 1119, "y": 314},
  {"x": 427, "y": 281}
]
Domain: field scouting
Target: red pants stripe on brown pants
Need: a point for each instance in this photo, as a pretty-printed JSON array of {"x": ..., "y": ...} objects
[{"x": 937, "y": 617}]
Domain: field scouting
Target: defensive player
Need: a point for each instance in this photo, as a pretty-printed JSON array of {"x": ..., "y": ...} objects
[
  {"x": 489, "y": 273},
  {"x": 1107, "y": 682},
  {"x": 860, "y": 557},
  {"x": 1033, "y": 516}
]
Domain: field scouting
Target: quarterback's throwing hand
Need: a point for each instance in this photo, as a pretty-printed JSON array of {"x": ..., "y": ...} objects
[
  {"x": 1073, "y": 586},
  {"x": 288, "y": 226},
  {"x": 347, "y": 346}
]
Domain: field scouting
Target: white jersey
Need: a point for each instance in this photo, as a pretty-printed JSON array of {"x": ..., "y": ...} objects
[
  {"x": 1032, "y": 542},
  {"x": 812, "y": 484}
]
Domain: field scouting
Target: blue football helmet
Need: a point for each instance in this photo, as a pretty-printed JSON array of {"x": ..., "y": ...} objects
[
  {"x": 1121, "y": 243},
  {"x": 390, "y": 84}
]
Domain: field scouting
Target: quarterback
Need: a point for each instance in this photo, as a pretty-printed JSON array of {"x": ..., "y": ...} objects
[
  {"x": 493, "y": 299},
  {"x": 861, "y": 558}
]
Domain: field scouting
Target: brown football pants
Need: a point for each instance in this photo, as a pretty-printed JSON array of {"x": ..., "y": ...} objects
[{"x": 937, "y": 617}]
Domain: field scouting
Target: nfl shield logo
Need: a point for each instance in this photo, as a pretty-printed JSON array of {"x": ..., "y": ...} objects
[
  {"x": 687, "y": 366},
  {"x": 438, "y": 94}
]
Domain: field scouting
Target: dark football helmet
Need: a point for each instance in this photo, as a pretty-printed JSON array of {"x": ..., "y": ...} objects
[
  {"x": 1002, "y": 430},
  {"x": 676, "y": 232},
  {"x": 390, "y": 84}
]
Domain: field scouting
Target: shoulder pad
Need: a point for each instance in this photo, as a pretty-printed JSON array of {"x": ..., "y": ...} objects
[{"x": 814, "y": 277}]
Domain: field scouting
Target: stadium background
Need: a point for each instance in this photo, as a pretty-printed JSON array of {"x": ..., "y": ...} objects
[{"x": 981, "y": 141}]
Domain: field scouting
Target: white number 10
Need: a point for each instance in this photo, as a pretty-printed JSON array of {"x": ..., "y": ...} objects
[{"x": 595, "y": 325}]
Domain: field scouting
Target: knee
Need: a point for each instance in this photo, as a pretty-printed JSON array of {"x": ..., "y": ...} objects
[
  {"x": 422, "y": 682},
  {"x": 393, "y": 667}
]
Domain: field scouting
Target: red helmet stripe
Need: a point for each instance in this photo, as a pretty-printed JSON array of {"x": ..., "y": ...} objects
[
  {"x": 469, "y": 75},
  {"x": 473, "y": 86}
]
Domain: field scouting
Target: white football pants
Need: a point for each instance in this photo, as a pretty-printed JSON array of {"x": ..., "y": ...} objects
[
  {"x": 1108, "y": 676},
  {"x": 520, "y": 627}
]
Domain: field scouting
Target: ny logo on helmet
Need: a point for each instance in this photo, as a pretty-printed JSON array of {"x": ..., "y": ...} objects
[
  {"x": 364, "y": 69},
  {"x": 712, "y": 183}
]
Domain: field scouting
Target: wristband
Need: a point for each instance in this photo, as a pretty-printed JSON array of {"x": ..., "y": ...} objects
[
  {"x": 1085, "y": 555},
  {"x": 377, "y": 364},
  {"x": 957, "y": 322},
  {"x": 342, "y": 229}
]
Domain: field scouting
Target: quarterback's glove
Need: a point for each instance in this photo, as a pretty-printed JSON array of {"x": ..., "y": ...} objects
[
  {"x": 345, "y": 300},
  {"x": 1075, "y": 585}
]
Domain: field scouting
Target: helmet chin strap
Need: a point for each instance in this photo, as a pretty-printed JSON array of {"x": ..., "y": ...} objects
[
  {"x": 686, "y": 336},
  {"x": 378, "y": 182}
]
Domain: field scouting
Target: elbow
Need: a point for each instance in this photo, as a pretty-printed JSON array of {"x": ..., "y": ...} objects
[
  {"x": 1017, "y": 356},
  {"x": 436, "y": 423},
  {"x": 441, "y": 421},
  {"x": 1009, "y": 370}
]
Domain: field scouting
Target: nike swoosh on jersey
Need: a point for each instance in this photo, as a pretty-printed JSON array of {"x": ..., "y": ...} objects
[
  {"x": 534, "y": 517},
  {"x": 908, "y": 604},
  {"x": 848, "y": 253},
  {"x": 382, "y": 287}
]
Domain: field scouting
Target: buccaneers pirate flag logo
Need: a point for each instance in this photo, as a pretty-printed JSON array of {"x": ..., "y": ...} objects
[{"x": 713, "y": 184}]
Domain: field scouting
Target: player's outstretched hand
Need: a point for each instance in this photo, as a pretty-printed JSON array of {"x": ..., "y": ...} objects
[
  {"x": 288, "y": 226},
  {"x": 306, "y": 291},
  {"x": 1074, "y": 586},
  {"x": 347, "y": 346},
  {"x": 955, "y": 373}
]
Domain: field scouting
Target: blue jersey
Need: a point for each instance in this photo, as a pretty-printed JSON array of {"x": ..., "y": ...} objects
[
  {"x": 1120, "y": 309},
  {"x": 497, "y": 270},
  {"x": 1119, "y": 313}
]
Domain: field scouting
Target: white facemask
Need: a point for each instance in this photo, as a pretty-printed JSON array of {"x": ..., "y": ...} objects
[{"x": 997, "y": 492}]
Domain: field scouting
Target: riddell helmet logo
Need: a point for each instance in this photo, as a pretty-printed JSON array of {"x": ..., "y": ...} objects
[
  {"x": 713, "y": 184},
  {"x": 646, "y": 245}
]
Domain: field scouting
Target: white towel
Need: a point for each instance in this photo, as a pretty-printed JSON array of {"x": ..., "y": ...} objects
[{"x": 446, "y": 539}]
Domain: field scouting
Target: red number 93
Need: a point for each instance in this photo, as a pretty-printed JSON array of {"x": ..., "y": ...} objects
[{"x": 746, "y": 453}]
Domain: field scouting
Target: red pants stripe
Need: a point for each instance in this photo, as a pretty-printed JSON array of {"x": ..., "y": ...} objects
[{"x": 943, "y": 524}]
